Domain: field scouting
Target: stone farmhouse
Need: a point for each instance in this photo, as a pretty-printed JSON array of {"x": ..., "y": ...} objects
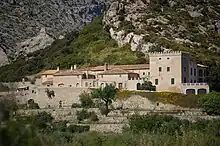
[{"x": 168, "y": 71}]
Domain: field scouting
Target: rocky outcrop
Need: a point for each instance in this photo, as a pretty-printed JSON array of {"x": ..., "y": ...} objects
[
  {"x": 41, "y": 41},
  {"x": 22, "y": 20},
  {"x": 145, "y": 24},
  {"x": 3, "y": 58}
]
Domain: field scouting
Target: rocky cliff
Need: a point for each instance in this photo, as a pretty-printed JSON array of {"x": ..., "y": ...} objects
[
  {"x": 30, "y": 25},
  {"x": 165, "y": 24}
]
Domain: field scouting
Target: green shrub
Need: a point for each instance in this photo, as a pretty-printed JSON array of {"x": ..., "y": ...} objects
[
  {"x": 42, "y": 120},
  {"x": 157, "y": 123},
  {"x": 104, "y": 110},
  {"x": 86, "y": 100},
  {"x": 32, "y": 104},
  {"x": 76, "y": 105},
  {"x": 210, "y": 103},
  {"x": 82, "y": 115},
  {"x": 78, "y": 129}
]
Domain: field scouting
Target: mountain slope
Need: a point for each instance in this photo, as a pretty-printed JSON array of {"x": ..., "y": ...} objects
[
  {"x": 22, "y": 20},
  {"x": 91, "y": 46}
]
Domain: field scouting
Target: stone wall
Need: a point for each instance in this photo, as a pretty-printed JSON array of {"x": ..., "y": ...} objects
[{"x": 68, "y": 96}]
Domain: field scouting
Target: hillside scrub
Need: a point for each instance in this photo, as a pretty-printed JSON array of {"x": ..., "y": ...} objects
[
  {"x": 210, "y": 103},
  {"x": 183, "y": 100},
  {"x": 89, "y": 47}
]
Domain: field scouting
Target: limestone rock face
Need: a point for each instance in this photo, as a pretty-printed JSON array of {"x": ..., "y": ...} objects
[
  {"x": 41, "y": 41},
  {"x": 3, "y": 58},
  {"x": 22, "y": 20},
  {"x": 146, "y": 24}
]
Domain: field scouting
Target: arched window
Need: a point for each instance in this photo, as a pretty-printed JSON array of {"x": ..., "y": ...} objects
[
  {"x": 190, "y": 91},
  {"x": 202, "y": 91}
]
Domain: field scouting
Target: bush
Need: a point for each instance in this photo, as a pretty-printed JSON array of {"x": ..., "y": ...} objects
[
  {"x": 78, "y": 129},
  {"x": 32, "y": 104},
  {"x": 104, "y": 110},
  {"x": 210, "y": 103},
  {"x": 157, "y": 123},
  {"x": 93, "y": 116},
  {"x": 82, "y": 115},
  {"x": 76, "y": 105},
  {"x": 42, "y": 120},
  {"x": 86, "y": 100}
]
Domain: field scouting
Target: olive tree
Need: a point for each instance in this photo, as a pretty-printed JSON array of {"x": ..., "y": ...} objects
[{"x": 106, "y": 94}]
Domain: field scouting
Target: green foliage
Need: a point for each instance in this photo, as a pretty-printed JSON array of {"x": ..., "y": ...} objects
[
  {"x": 183, "y": 100},
  {"x": 3, "y": 88},
  {"x": 7, "y": 108},
  {"x": 76, "y": 105},
  {"x": 91, "y": 46},
  {"x": 106, "y": 94},
  {"x": 82, "y": 115},
  {"x": 147, "y": 85},
  {"x": 86, "y": 100},
  {"x": 156, "y": 123},
  {"x": 50, "y": 93},
  {"x": 78, "y": 129},
  {"x": 32, "y": 104},
  {"x": 155, "y": 48},
  {"x": 210, "y": 103}
]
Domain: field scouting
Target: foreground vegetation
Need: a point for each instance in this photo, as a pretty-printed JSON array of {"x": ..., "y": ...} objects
[{"x": 153, "y": 130}]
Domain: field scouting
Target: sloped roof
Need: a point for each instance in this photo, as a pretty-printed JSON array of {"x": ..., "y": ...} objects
[
  {"x": 68, "y": 73},
  {"x": 124, "y": 67},
  {"x": 49, "y": 72},
  {"x": 116, "y": 71}
]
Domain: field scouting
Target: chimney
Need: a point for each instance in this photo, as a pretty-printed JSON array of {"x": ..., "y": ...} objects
[
  {"x": 106, "y": 67},
  {"x": 58, "y": 68},
  {"x": 71, "y": 68},
  {"x": 74, "y": 66}
]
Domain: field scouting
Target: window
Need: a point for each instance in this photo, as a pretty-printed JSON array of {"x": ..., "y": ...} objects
[
  {"x": 168, "y": 58},
  {"x": 184, "y": 80},
  {"x": 156, "y": 82},
  {"x": 194, "y": 72},
  {"x": 184, "y": 69},
  {"x": 191, "y": 81},
  {"x": 191, "y": 71},
  {"x": 194, "y": 81},
  {"x": 160, "y": 69},
  {"x": 148, "y": 73},
  {"x": 172, "y": 81},
  {"x": 143, "y": 73},
  {"x": 86, "y": 84},
  {"x": 45, "y": 75},
  {"x": 159, "y": 58},
  {"x": 168, "y": 69},
  {"x": 119, "y": 75},
  {"x": 200, "y": 73}
]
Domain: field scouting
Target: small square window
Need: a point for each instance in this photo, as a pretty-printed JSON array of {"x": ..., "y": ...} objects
[
  {"x": 143, "y": 73},
  {"x": 160, "y": 69},
  {"x": 168, "y": 58},
  {"x": 159, "y": 58},
  {"x": 168, "y": 69},
  {"x": 184, "y": 69},
  {"x": 156, "y": 82}
]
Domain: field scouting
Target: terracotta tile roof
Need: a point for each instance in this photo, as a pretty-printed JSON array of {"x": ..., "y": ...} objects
[
  {"x": 116, "y": 71},
  {"x": 68, "y": 73},
  {"x": 124, "y": 67},
  {"x": 49, "y": 72}
]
